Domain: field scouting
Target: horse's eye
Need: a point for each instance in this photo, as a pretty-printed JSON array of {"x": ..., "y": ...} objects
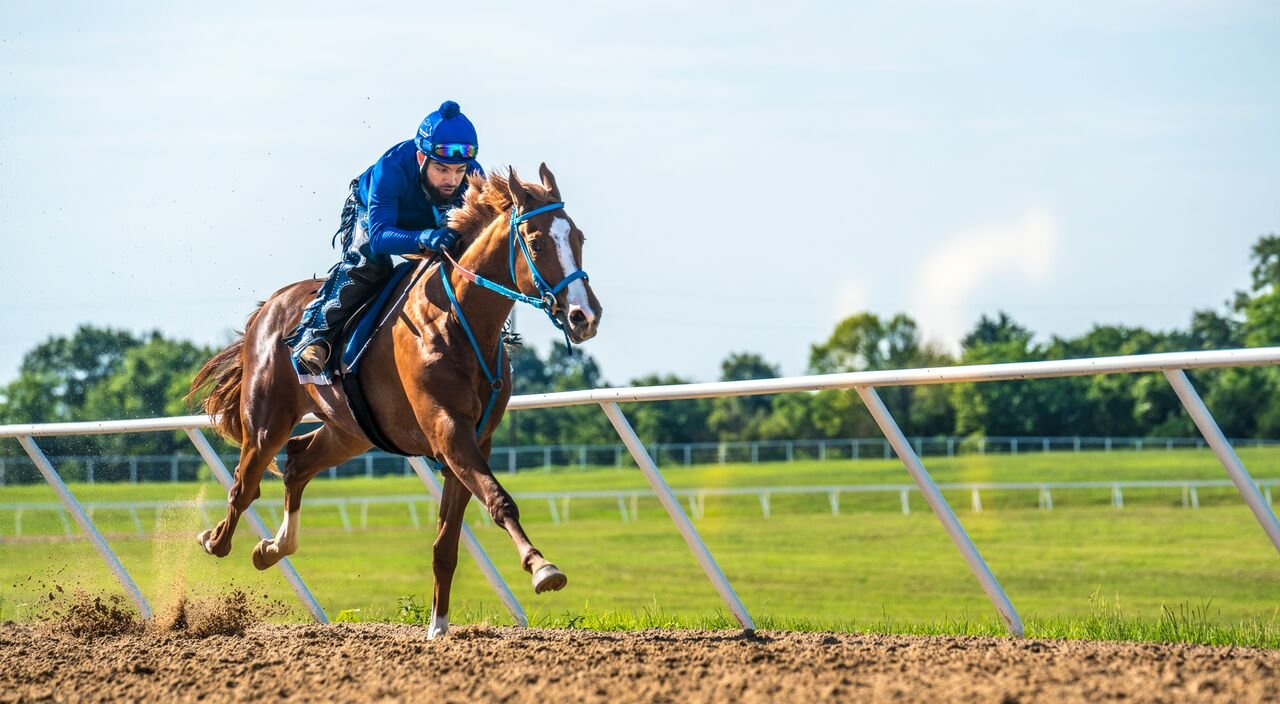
[{"x": 536, "y": 245}]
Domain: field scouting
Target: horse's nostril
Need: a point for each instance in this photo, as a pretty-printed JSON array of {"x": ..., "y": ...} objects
[{"x": 577, "y": 317}]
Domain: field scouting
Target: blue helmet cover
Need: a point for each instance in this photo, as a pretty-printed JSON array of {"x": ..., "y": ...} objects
[{"x": 445, "y": 126}]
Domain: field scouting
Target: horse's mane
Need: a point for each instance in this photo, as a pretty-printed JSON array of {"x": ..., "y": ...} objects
[{"x": 487, "y": 197}]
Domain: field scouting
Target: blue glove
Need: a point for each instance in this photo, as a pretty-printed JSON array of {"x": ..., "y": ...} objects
[{"x": 438, "y": 239}]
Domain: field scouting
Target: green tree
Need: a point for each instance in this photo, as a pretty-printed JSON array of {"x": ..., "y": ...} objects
[
  {"x": 1004, "y": 407},
  {"x": 149, "y": 382},
  {"x": 56, "y": 375},
  {"x": 740, "y": 417},
  {"x": 669, "y": 421},
  {"x": 866, "y": 342}
]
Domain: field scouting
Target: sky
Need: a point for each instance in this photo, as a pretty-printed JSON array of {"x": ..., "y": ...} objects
[{"x": 747, "y": 174}]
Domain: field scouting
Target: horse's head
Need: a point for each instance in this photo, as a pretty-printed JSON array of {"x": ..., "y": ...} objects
[{"x": 553, "y": 244}]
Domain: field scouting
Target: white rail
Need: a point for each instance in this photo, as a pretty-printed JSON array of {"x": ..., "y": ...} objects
[
  {"x": 1173, "y": 365},
  {"x": 623, "y": 497}
]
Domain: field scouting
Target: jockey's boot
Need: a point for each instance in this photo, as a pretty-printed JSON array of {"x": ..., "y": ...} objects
[{"x": 313, "y": 359}]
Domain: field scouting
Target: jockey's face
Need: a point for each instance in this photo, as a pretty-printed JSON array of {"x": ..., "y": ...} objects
[{"x": 444, "y": 179}]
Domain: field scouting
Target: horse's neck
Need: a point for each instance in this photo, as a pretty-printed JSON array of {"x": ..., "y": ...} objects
[{"x": 489, "y": 257}]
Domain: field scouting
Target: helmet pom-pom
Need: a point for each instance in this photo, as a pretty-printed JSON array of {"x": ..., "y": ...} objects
[{"x": 449, "y": 110}]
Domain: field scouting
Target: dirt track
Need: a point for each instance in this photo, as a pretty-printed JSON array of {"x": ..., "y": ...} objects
[{"x": 386, "y": 662}]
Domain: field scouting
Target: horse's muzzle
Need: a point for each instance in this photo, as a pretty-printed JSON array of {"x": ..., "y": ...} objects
[{"x": 582, "y": 323}]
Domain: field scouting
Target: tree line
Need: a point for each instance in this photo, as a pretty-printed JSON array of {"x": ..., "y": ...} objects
[{"x": 102, "y": 373}]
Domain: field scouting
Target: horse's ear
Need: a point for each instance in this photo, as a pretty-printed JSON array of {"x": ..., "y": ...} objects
[
  {"x": 549, "y": 181},
  {"x": 516, "y": 188}
]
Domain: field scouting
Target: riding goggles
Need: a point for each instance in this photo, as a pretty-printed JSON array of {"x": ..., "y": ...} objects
[{"x": 455, "y": 151}]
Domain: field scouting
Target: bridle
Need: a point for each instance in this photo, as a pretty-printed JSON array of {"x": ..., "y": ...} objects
[
  {"x": 545, "y": 301},
  {"x": 546, "y": 298}
]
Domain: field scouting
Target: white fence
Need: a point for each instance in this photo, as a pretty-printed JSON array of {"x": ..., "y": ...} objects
[
  {"x": 1172, "y": 365},
  {"x": 627, "y": 500},
  {"x": 179, "y": 467}
]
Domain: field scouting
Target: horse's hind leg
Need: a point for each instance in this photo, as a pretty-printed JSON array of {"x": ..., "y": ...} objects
[
  {"x": 260, "y": 446},
  {"x": 444, "y": 557},
  {"x": 307, "y": 455}
]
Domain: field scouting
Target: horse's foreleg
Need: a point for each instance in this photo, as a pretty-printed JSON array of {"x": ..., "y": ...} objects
[
  {"x": 444, "y": 555},
  {"x": 465, "y": 458}
]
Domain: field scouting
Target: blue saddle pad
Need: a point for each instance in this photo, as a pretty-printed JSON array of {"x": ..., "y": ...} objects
[{"x": 358, "y": 340}]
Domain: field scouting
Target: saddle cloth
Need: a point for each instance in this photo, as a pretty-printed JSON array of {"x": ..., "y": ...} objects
[{"x": 353, "y": 344}]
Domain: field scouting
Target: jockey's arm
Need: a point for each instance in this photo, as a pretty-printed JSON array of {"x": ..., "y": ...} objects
[{"x": 384, "y": 193}]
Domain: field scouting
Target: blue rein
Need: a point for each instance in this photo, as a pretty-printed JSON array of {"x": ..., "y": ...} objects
[{"x": 546, "y": 302}]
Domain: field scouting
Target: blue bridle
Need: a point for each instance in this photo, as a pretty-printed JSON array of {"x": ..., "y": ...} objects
[
  {"x": 546, "y": 301},
  {"x": 546, "y": 298}
]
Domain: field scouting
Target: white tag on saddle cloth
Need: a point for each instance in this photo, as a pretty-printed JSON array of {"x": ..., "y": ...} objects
[{"x": 317, "y": 379}]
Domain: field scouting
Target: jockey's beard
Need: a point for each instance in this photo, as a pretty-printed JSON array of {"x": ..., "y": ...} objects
[{"x": 434, "y": 194}]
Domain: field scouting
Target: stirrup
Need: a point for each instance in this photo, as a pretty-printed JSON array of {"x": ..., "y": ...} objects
[{"x": 313, "y": 359}]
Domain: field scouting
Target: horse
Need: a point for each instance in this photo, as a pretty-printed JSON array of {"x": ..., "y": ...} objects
[{"x": 424, "y": 381}]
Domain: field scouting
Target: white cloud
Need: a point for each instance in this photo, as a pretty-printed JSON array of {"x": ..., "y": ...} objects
[
  {"x": 1021, "y": 250},
  {"x": 851, "y": 298}
]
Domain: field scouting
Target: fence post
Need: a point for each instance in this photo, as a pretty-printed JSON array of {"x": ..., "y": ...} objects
[
  {"x": 77, "y": 512},
  {"x": 791, "y": 450},
  {"x": 582, "y": 457},
  {"x": 672, "y": 506},
  {"x": 2, "y": 468},
  {"x": 368, "y": 465},
  {"x": 942, "y": 510},
  {"x": 951, "y": 447},
  {"x": 755, "y": 453},
  {"x": 546, "y": 458},
  {"x": 617, "y": 457},
  {"x": 511, "y": 460},
  {"x": 1227, "y": 456},
  {"x": 1076, "y": 445},
  {"x": 688, "y": 454}
]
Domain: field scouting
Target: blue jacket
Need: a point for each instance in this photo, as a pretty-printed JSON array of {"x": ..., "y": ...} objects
[{"x": 398, "y": 207}]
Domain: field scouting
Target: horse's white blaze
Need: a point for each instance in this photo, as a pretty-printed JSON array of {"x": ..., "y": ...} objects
[
  {"x": 577, "y": 290},
  {"x": 439, "y": 624}
]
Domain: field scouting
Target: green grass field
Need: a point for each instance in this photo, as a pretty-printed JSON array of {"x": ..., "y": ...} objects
[{"x": 1151, "y": 570}]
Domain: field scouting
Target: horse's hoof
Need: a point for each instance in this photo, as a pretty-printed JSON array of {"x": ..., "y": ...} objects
[
  {"x": 261, "y": 559},
  {"x": 439, "y": 626},
  {"x": 549, "y": 579},
  {"x": 203, "y": 539}
]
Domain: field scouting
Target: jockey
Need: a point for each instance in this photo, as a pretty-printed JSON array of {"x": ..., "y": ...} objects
[{"x": 397, "y": 206}]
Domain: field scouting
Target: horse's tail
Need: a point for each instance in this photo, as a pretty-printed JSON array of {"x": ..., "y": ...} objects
[{"x": 222, "y": 377}]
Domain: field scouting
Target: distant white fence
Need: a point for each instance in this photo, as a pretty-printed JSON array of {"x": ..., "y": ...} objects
[
  {"x": 376, "y": 463},
  {"x": 1172, "y": 365},
  {"x": 627, "y": 500}
]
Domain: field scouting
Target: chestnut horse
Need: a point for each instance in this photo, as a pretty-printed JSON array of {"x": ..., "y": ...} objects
[{"x": 426, "y": 388}]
